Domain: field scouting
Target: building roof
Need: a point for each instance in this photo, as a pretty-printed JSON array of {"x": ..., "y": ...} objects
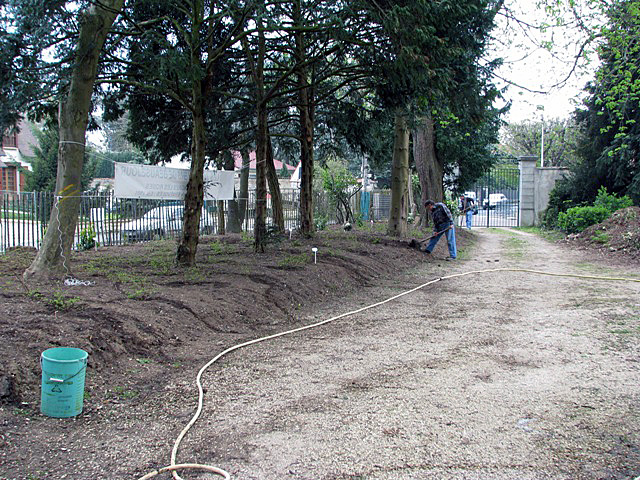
[{"x": 237, "y": 162}]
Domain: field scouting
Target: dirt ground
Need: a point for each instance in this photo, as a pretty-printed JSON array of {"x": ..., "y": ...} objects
[{"x": 490, "y": 375}]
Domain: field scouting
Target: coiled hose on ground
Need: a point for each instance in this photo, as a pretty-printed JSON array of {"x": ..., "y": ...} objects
[{"x": 173, "y": 467}]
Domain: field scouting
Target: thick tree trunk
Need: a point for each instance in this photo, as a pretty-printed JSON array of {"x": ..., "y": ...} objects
[
  {"x": 53, "y": 257},
  {"x": 274, "y": 188},
  {"x": 194, "y": 197},
  {"x": 305, "y": 110},
  {"x": 260, "y": 229},
  {"x": 399, "y": 174},
  {"x": 430, "y": 170},
  {"x": 306, "y": 170},
  {"x": 222, "y": 227}
]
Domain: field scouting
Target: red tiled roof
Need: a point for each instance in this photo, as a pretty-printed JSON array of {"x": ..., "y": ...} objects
[{"x": 237, "y": 161}]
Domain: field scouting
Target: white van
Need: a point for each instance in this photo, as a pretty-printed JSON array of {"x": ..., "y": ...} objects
[{"x": 494, "y": 200}]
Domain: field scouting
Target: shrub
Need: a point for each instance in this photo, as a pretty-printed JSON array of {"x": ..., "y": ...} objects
[
  {"x": 611, "y": 202},
  {"x": 576, "y": 219}
]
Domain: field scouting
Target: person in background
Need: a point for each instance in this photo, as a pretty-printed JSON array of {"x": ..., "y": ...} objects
[
  {"x": 467, "y": 209},
  {"x": 443, "y": 225}
]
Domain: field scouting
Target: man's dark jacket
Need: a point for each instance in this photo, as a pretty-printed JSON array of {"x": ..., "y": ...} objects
[{"x": 441, "y": 215}]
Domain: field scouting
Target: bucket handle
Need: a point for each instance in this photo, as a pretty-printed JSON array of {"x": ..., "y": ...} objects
[{"x": 60, "y": 380}]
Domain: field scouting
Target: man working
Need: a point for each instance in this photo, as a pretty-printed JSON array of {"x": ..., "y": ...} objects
[
  {"x": 443, "y": 224},
  {"x": 467, "y": 208}
]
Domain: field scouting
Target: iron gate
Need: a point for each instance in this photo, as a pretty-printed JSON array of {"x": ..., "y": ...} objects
[{"x": 497, "y": 195}]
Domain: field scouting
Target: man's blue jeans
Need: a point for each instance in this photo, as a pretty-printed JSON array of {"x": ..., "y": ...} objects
[
  {"x": 469, "y": 215},
  {"x": 451, "y": 239}
]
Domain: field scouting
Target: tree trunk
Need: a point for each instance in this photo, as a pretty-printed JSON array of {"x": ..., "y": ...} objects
[
  {"x": 53, "y": 257},
  {"x": 260, "y": 229},
  {"x": 430, "y": 170},
  {"x": 222, "y": 227},
  {"x": 399, "y": 174},
  {"x": 306, "y": 130},
  {"x": 194, "y": 197},
  {"x": 274, "y": 188}
]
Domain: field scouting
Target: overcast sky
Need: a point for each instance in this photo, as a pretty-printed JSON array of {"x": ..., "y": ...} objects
[{"x": 538, "y": 69}]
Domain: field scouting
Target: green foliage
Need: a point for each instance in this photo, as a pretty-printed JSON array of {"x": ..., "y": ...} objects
[
  {"x": 284, "y": 172},
  {"x": 61, "y": 302},
  {"x": 564, "y": 214},
  {"x": 611, "y": 202},
  {"x": 561, "y": 140},
  {"x": 45, "y": 162},
  {"x": 612, "y": 115},
  {"x": 87, "y": 238},
  {"x": 339, "y": 184},
  {"x": 576, "y": 219},
  {"x": 320, "y": 222},
  {"x": 601, "y": 237}
]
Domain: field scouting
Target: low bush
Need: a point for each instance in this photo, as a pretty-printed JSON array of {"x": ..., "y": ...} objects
[{"x": 576, "y": 219}]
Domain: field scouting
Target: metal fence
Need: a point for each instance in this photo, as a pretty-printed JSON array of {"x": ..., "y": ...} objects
[
  {"x": 497, "y": 195},
  {"x": 105, "y": 220}
]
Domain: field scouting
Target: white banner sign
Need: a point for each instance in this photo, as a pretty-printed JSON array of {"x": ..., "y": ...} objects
[{"x": 162, "y": 183}]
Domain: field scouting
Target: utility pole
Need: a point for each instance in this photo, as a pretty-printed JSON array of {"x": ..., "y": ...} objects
[{"x": 541, "y": 107}]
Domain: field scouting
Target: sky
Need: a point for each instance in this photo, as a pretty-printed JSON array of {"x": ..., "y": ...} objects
[{"x": 537, "y": 69}]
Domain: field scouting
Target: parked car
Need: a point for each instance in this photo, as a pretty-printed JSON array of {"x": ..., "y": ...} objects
[
  {"x": 494, "y": 200},
  {"x": 163, "y": 221}
]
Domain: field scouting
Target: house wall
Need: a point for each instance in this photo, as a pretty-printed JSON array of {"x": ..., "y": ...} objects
[{"x": 17, "y": 153}]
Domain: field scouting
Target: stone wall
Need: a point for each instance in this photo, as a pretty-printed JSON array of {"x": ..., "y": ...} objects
[{"x": 535, "y": 187}]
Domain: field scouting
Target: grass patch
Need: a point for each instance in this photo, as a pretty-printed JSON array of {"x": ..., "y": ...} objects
[
  {"x": 551, "y": 235},
  {"x": 125, "y": 393},
  {"x": 294, "y": 260},
  {"x": 515, "y": 246}
]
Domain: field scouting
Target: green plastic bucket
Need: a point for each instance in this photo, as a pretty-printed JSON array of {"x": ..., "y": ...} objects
[{"x": 62, "y": 390}]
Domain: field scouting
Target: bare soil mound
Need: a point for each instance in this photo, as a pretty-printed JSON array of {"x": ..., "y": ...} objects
[
  {"x": 617, "y": 238},
  {"x": 141, "y": 308}
]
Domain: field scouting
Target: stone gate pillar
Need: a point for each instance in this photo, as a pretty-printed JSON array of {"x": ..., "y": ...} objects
[{"x": 527, "y": 190}]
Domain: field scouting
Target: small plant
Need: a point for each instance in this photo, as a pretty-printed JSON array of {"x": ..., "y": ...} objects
[
  {"x": 216, "y": 248},
  {"x": 161, "y": 265},
  {"x": 320, "y": 222},
  {"x": 124, "y": 392},
  {"x": 140, "y": 293},
  {"x": 35, "y": 295},
  {"x": 600, "y": 237},
  {"x": 87, "y": 239},
  {"x": 247, "y": 238},
  {"x": 194, "y": 275},
  {"x": 144, "y": 361},
  {"x": 58, "y": 300}
]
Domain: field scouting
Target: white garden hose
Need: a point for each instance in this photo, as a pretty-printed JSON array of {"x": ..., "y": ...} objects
[{"x": 173, "y": 467}]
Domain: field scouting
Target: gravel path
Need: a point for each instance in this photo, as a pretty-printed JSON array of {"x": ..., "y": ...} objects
[{"x": 499, "y": 375}]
